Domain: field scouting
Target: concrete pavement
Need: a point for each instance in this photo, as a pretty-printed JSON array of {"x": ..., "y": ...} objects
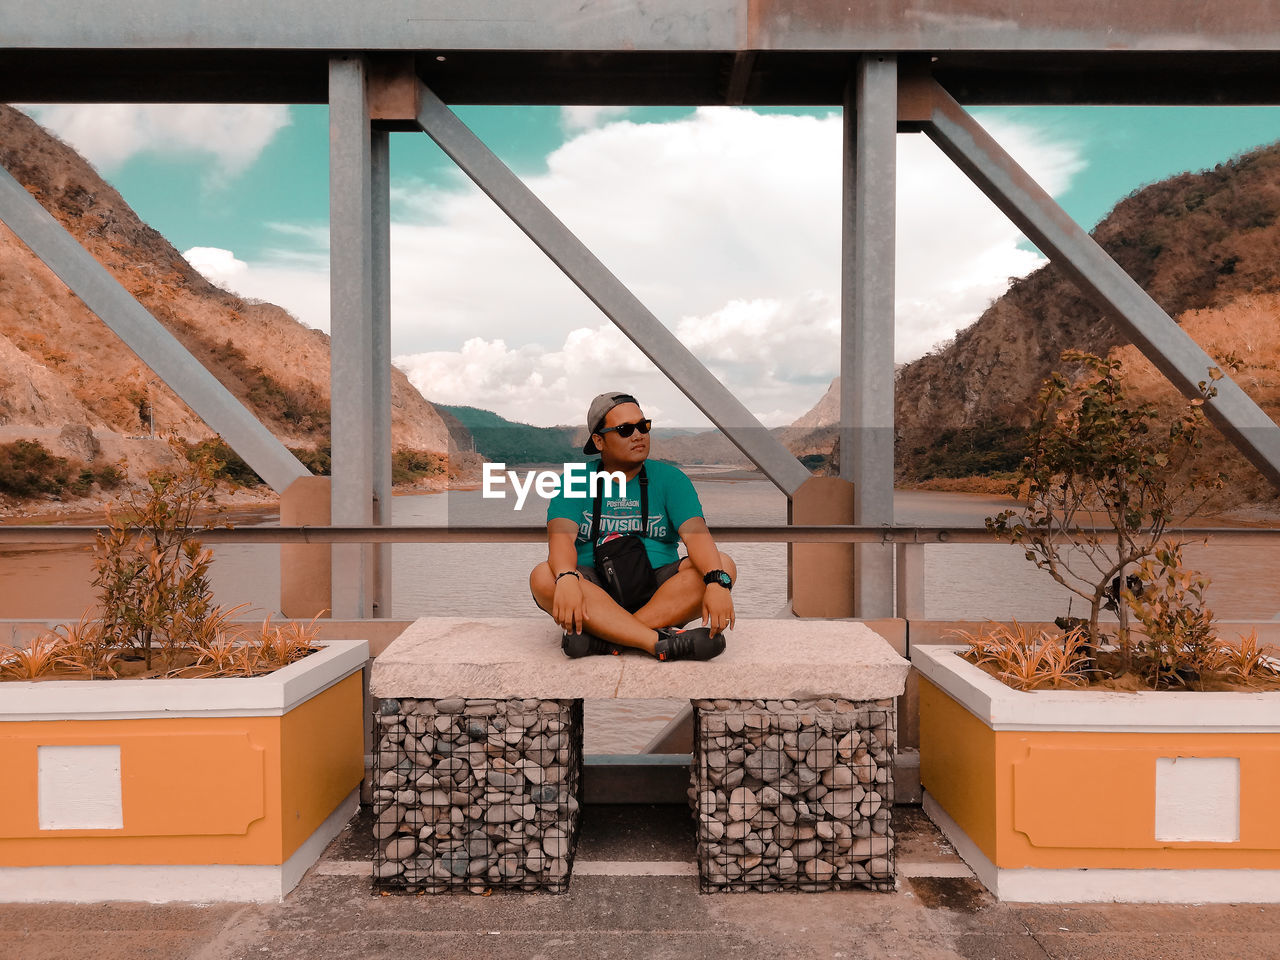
[{"x": 634, "y": 894}]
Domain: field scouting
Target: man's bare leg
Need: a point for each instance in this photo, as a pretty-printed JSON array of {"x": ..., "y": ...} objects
[
  {"x": 605, "y": 618},
  {"x": 679, "y": 599}
]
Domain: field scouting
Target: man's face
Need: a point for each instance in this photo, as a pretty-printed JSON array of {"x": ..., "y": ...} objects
[{"x": 618, "y": 452}]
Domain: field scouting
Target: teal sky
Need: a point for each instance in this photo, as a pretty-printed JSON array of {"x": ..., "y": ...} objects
[{"x": 1125, "y": 148}]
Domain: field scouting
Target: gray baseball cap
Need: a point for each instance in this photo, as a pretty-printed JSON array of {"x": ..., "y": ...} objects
[{"x": 598, "y": 410}]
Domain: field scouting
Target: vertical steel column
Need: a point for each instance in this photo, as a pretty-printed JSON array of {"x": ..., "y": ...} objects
[
  {"x": 351, "y": 330},
  {"x": 867, "y": 319},
  {"x": 380, "y": 370}
]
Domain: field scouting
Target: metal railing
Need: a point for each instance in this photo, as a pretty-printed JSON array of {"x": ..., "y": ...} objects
[
  {"x": 908, "y": 542},
  {"x": 771, "y": 533}
]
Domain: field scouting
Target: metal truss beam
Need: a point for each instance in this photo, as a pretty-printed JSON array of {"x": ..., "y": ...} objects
[
  {"x": 145, "y": 336},
  {"x": 1048, "y": 226},
  {"x": 607, "y": 292},
  {"x": 596, "y": 26},
  {"x": 867, "y": 329},
  {"x": 642, "y": 78}
]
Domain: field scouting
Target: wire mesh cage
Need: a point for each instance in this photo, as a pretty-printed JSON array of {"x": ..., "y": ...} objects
[
  {"x": 474, "y": 795},
  {"x": 793, "y": 795}
]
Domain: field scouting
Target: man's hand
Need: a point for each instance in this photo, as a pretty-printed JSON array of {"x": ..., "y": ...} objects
[
  {"x": 569, "y": 605},
  {"x": 717, "y": 609}
]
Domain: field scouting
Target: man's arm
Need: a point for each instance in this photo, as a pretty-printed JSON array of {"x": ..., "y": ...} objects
[
  {"x": 568, "y": 604},
  {"x": 717, "y": 602}
]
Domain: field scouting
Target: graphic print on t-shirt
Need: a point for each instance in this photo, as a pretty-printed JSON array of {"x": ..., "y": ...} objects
[
  {"x": 672, "y": 502},
  {"x": 619, "y": 517}
]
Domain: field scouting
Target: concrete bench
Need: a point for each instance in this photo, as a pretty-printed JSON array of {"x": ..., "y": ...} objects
[{"x": 477, "y": 772}]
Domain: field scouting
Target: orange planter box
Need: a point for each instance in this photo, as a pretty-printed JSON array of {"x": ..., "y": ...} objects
[
  {"x": 179, "y": 789},
  {"x": 1079, "y": 795}
]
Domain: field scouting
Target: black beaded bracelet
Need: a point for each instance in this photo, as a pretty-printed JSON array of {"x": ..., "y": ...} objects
[{"x": 569, "y": 573}]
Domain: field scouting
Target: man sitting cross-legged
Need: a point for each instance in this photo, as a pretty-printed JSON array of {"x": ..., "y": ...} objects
[{"x": 659, "y": 591}]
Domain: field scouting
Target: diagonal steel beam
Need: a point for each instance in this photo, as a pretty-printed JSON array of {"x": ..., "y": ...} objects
[
  {"x": 1159, "y": 337},
  {"x": 607, "y": 292},
  {"x": 145, "y": 336}
]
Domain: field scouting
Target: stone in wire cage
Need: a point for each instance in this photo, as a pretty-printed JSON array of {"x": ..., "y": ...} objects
[
  {"x": 472, "y": 795},
  {"x": 793, "y": 795}
]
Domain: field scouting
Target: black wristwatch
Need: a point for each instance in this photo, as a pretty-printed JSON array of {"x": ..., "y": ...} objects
[{"x": 720, "y": 577}]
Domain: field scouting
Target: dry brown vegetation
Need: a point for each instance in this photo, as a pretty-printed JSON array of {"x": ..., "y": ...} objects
[
  {"x": 155, "y": 614},
  {"x": 60, "y": 365},
  {"x": 1247, "y": 328},
  {"x": 1029, "y": 659},
  {"x": 1204, "y": 245}
]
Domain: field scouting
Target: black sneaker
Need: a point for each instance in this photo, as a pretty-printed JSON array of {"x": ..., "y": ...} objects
[
  {"x": 585, "y": 645},
  {"x": 694, "y": 644}
]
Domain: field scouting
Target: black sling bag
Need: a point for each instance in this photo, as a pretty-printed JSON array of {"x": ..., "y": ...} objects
[{"x": 622, "y": 562}]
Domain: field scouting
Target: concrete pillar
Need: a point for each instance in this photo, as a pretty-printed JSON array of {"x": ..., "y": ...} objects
[
  {"x": 305, "y": 568},
  {"x": 867, "y": 327},
  {"x": 822, "y": 573},
  {"x": 351, "y": 284}
]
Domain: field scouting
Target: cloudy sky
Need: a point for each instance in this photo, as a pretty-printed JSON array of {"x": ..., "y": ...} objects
[{"x": 723, "y": 221}]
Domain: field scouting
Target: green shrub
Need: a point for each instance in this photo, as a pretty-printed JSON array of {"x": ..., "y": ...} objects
[
  {"x": 83, "y": 483},
  {"x": 319, "y": 461},
  {"x": 224, "y": 463},
  {"x": 408, "y": 465},
  {"x": 986, "y": 449},
  {"x": 109, "y": 476},
  {"x": 27, "y": 469}
]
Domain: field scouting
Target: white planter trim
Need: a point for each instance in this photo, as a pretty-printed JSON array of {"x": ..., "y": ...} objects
[
  {"x": 267, "y": 696},
  {"x": 167, "y": 883},
  {"x": 1003, "y": 708},
  {"x": 1095, "y": 885}
]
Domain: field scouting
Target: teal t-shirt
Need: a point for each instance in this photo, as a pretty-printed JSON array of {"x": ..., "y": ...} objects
[{"x": 672, "y": 501}]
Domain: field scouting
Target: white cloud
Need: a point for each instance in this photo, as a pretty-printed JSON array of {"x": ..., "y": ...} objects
[
  {"x": 108, "y": 134},
  {"x": 762, "y": 348},
  {"x": 217, "y": 265},
  {"x": 725, "y": 224},
  {"x": 576, "y": 118}
]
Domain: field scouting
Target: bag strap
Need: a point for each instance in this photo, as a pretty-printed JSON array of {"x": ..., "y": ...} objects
[
  {"x": 644, "y": 508},
  {"x": 644, "y": 502}
]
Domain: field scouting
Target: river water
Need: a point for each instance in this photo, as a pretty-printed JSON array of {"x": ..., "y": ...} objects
[{"x": 963, "y": 581}]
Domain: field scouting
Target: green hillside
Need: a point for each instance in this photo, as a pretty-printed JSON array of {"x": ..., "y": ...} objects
[{"x": 505, "y": 441}]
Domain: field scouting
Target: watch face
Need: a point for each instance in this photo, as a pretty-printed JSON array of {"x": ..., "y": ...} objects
[{"x": 723, "y": 579}]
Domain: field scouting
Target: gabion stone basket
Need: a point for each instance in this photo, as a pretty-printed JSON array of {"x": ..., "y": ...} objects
[
  {"x": 471, "y": 795},
  {"x": 793, "y": 795}
]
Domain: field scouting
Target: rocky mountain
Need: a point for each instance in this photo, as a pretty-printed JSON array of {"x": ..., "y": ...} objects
[
  {"x": 1205, "y": 246},
  {"x": 68, "y": 382}
]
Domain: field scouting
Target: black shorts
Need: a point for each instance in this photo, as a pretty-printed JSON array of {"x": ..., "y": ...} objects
[{"x": 660, "y": 576}]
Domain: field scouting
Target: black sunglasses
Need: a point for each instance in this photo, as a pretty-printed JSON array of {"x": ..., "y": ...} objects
[{"x": 627, "y": 429}]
